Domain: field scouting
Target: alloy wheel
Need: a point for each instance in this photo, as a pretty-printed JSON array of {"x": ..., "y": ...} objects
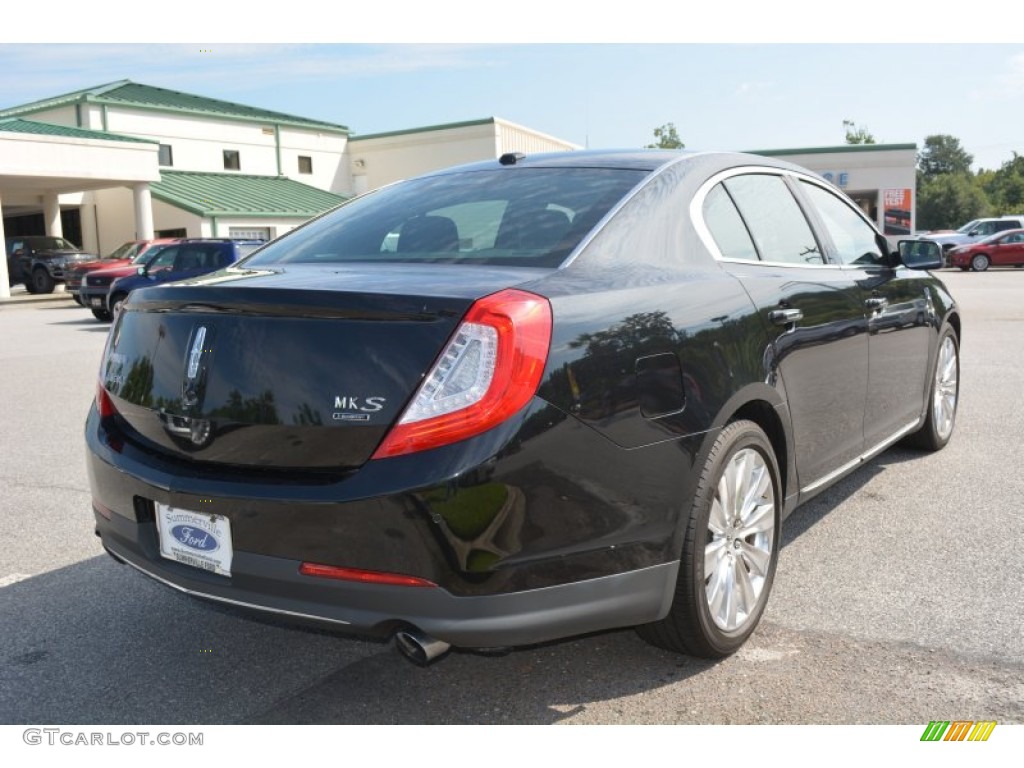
[
  {"x": 946, "y": 388},
  {"x": 740, "y": 540}
]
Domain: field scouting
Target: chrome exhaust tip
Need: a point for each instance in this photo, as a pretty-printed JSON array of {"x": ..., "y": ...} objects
[{"x": 419, "y": 648}]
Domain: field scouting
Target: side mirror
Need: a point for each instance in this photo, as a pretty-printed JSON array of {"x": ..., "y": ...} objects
[
  {"x": 974, "y": 233},
  {"x": 140, "y": 271},
  {"x": 920, "y": 254}
]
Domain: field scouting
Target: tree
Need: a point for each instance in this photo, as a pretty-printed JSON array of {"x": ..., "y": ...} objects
[
  {"x": 942, "y": 153},
  {"x": 950, "y": 200},
  {"x": 857, "y": 134},
  {"x": 1005, "y": 187},
  {"x": 667, "y": 138}
]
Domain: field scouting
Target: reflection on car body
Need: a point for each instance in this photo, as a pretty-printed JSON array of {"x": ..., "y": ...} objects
[{"x": 605, "y": 381}]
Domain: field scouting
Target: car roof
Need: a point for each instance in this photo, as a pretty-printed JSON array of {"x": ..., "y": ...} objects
[{"x": 626, "y": 159}]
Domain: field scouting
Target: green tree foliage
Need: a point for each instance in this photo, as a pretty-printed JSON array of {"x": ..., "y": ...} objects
[
  {"x": 1005, "y": 187},
  {"x": 950, "y": 200},
  {"x": 942, "y": 153},
  {"x": 666, "y": 138},
  {"x": 857, "y": 134}
]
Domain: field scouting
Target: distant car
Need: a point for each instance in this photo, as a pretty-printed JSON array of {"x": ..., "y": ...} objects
[
  {"x": 132, "y": 252},
  {"x": 42, "y": 260},
  {"x": 975, "y": 230},
  {"x": 522, "y": 400},
  {"x": 182, "y": 260},
  {"x": 1005, "y": 249}
]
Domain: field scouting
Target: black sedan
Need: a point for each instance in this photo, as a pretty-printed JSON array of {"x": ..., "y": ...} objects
[{"x": 520, "y": 400}]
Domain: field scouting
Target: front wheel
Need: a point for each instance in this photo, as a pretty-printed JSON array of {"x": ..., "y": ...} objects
[
  {"x": 115, "y": 303},
  {"x": 979, "y": 263},
  {"x": 943, "y": 397},
  {"x": 101, "y": 314},
  {"x": 41, "y": 281},
  {"x": 730, "y": 548}
]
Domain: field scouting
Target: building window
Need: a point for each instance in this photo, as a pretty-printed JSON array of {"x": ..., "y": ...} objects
[
  {"x": 166, "y": 155},
  {"x": 232, "y": 162},
  {"x": 305, "y": 164}
]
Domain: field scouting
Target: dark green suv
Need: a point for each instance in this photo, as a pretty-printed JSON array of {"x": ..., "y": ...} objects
[{"x": 39, "y": 260}]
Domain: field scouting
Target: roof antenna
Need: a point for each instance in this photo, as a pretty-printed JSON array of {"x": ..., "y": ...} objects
[{"x": 511, "y": 158}]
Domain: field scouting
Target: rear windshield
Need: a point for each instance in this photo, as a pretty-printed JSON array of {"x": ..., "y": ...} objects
[{"x": 524, "y": 217}]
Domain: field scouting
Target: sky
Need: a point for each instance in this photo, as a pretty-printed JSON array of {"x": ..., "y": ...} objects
[{"x": 603, "y": 86}]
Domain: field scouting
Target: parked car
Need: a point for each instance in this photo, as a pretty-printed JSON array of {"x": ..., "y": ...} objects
[
  {"x": 975, "y": 230},
  {"x": 132, "y": 252},
  {"x": 521, "y": 400},
  {"x": 1005, "y": 249},
  {"x": 105, "y": 290},
  {"x": 42, "y": 260}
]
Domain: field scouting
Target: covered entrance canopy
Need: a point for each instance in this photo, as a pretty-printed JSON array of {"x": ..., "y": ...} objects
[{"x": 40, "y": 161}]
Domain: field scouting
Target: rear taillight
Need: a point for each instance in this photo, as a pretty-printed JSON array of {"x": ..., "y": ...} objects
[
  {"x": 489, "y": 370},
  {"x": 104, "y": 404}
]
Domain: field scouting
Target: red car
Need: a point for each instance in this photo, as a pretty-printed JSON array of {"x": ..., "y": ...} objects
[
  {"x": 127, "y": 255},
  {"x": 1003, "y": 249}
]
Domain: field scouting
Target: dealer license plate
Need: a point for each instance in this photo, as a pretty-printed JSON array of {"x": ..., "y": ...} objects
[{"x": 199, "y": 539}]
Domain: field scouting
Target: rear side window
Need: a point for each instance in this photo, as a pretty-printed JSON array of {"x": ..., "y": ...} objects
[
  {"x": 524, "y": 217},
  {"x": 775, "y": 221},
  {"x": 726, "y": 226}
]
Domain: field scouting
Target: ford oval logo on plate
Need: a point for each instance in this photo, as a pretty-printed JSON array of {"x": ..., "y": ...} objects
[{"x": 195, "y": 538}]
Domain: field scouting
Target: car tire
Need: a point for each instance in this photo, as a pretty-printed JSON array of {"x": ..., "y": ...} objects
[
  {"x": 713, "y": 613},
  {"x": 77, "y": 299},
  {"x": 943, "y": 396},
  {"x": 101, "y": 314},
  {"x": 41, "y": 281},
  {"x": 964, "y": 269},
  {"x": 979, "y": 262},
  {"x": 115, "y": 303}
]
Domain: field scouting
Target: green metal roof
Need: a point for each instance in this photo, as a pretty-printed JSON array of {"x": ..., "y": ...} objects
[
  {"x": 831, "y": 150},
  {"x": 424, "y": 129},
  {"x": 128, "y": 94},
  {"x": 239, "y": 195},
  {"x": 18, "y": 125}
]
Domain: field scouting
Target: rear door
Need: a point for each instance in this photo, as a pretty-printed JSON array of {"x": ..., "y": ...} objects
[{"x": 813, "y": 312}]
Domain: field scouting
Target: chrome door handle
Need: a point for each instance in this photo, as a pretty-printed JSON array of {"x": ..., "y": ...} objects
[{"x": 785, "y": 316}]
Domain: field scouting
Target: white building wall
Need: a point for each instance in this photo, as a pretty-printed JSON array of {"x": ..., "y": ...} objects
[
  {"x": 60, "y": 116},
  {"x": 331, "y": 171},
  {"x": 517, "y": 138},
  {"x": 114, "y": 217},
  {"x": 166, "y": 216},
  {"x": 382, "y": 160},
  {"x": 198, "y": 143}
]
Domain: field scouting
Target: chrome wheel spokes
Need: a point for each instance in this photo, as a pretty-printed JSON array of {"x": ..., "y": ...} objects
[
  {"x": 946, "y": 389},
  {"x": 740, "y": 539}
]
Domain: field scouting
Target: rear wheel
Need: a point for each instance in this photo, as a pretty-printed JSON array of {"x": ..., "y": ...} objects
[
  {"x": 943, "y": 396},
  {"x": 979, "y": 263},
  {"x": 41, "y": 281},
  {"x": 730, "y": 548}
]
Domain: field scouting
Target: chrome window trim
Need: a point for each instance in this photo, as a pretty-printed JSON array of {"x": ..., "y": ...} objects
[{"x": 697, "y": 216}]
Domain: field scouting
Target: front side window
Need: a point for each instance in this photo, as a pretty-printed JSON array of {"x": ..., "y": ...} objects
[
  {"x": 232, "y": 160},
  {"x": 854, "y": 240},
  {"x": 776, "y": 223},
  {"x": 528, "y": 217}
]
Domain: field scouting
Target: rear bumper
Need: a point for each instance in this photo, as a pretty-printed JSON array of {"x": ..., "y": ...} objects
[
  {"x": 564, "y": 553},
  {"x": 274, "y": 585}
]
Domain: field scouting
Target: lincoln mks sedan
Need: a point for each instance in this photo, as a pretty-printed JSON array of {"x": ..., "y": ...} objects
[{"x": 520, "y": 400}]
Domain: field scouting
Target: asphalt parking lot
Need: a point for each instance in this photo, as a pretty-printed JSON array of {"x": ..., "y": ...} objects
[{"x": 899, "y": 596}]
